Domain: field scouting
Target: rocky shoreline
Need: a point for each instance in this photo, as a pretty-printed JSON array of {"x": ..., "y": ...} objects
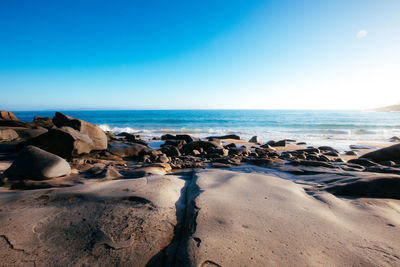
[{"x": 118, "y": 201}]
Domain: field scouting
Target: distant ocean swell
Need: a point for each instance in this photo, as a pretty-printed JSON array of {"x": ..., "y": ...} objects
[{"x": 339, "y": 128}]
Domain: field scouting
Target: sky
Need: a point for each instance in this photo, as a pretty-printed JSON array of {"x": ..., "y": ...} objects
[{"x": 208, "y": 54}]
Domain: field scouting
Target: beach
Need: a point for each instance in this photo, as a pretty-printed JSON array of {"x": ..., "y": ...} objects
[{"x": 75, "y": 193}]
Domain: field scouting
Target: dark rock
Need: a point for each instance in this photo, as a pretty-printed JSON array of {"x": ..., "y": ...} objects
[
  {"x": 312, "y": 163},
  {"x": 35, "y": 164},
  {"x": 394, "y": 139},
  {"x": 7, "y": 116},
  {"x": 331, "y": 153},
  {"x": 94, "y": 132},
  {"x": 361, "y": 147},
  {"x": 362, "y": 162},
  {"x": 64, "y": 142},
  {"x": 29, "y": 133},
  {"x": 239, "y": 151},
  {"x": 171, "y": 151},
  {"x": 254, "y": 139},
  {"x": 177, "y": 143},
  {"x": 383, "y": 169},
  {"x": 230, "y": 145},
  {"x": 327, "y": 148},
  {"x": 207, "y": 146},
  {"x": 44, "y": 122},
  {"x": 7, "y": 135},
  {"x": 301, "y": 143},
  {"x": 128, "y": 150},
  {"x": 220, "y": 165},
  {"x": 383, "y": 154},
  {"x": 230, "y": 136},
  {"x": 382, "y": 187},
  {"x": 275, "y": 144},
  {"x": 350, "y": 153},
  {"x": 187, "y": 138}
]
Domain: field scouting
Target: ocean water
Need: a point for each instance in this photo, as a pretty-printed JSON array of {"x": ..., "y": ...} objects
[{"x": 337, "y": 128}]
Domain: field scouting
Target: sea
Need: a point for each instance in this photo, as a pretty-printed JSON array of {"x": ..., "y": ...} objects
[{"x": 315, "y": 127}]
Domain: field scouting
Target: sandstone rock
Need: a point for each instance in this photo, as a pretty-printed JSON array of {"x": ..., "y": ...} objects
[
  {"x": 94, "y": 132},
  {"x": 350, "y": 153},
  {"x": 34, "y": 163},
  {"x": 7, "y": 115},
  {"x": 7, "y": 135},
  {"x": 64, "y": 142},
  {"x": 45, "y": 122},
  {"x": 362, "y": 161},
  {"x": 128, "y": 150},
  {"x": 383, "y": 154}
]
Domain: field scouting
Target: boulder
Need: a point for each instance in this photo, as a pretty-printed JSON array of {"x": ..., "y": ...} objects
[
  {"x": 187, "y": 138},
  {"x": 94, "y": 132},
  {"x": 254, "y": 139},
  {"x": 128, "y": 150},
  {"x": 45, "y": 122},
  {"x": 7, "y": 135},
  {"x": 384, "y": 154},
  {"x": 229, "y": 136},
  {"x": 64, "y": 142},
  {"x": 207, "y": 146},
  {"x": 35, "y": 164},
  {"x": 8, "y": 116},
  {"x": 278, "y": 143}
]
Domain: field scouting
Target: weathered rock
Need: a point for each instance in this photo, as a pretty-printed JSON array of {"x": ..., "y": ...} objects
[
  {"x": 64, "y": 142},
  {"x": 94, "y": 132},
  {"x": 278, "y": 143},
  {"x": 363, "y": 162},
  {"x": 45, "y": 122},
  {"x": 29, "y": 133},
  {"x": 254, "y": 139},
  {"x": 128, "y": 150},
  {"x": 177, "y": 143},
  {"x": 7, "y": 135},
  {"x": 383, "y": 154},
  {"x": 394, "y": 139},
  {"x": 171, "y": 151},
  {"x": 350, "y": 153},
  {"x": 229, "y": 136},
  {"x": 187, "y": 138},
  {"x": 7, "y": 115},
  {"x": 381, "y": 187},
  {"x": 34, "y": 163},
  {"x": 107, "y": 173},
  {"x": 120, "y": 222},
  {"x": 207, "y": 146}
]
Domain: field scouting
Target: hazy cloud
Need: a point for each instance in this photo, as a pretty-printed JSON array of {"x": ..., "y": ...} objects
[{"x": 361, "y": 34}]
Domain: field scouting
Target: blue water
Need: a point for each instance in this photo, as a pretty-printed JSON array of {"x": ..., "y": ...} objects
[{"x": 315, "y": 127}]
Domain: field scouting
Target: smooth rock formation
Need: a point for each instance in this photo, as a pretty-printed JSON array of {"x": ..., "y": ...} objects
[
  {"x": 128, "y": 150},
  {"x": 383, "y": 154},
  {"x": 94, "y": 132},
  {"x": 35, "y": 164},
  {"x": 64, "y": 142},
  {"x": 110, "y": 223},
  {"x": 7, "y": 135},
  {"x": 242, "y": 219}
]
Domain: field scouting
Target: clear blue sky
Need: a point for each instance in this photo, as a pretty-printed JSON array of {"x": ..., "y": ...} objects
[{"x": 310, "y": 54}]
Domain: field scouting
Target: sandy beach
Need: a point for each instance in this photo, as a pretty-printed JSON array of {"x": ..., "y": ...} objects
[{"x": 74, "y": 195}]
